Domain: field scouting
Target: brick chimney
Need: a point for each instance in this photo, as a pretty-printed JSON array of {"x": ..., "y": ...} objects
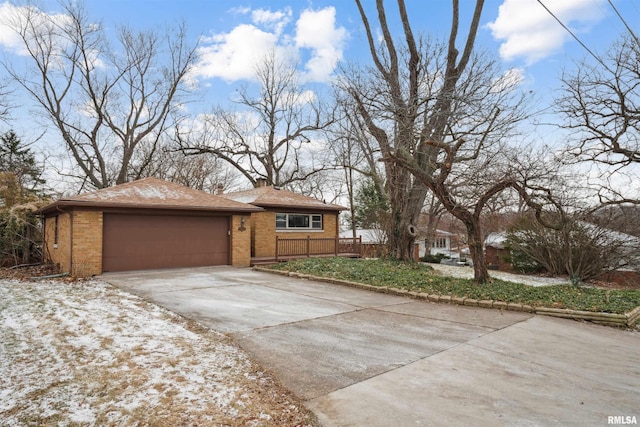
[
  {"x": 261, "y": 182},
  {"x": 220, "y": 189}
]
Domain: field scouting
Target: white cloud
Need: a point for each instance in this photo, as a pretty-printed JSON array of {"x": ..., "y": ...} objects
[
  {"x": 316, "y": 30},
  {"x": 8, "y": 37},
  {"x": 233, "y": 56},
  {"x": 275, "y": 20},
  {"x": 509, "y": 80},
  {"x": 240, "y": 10},
  {"x": 307, "y": 97},
  {"x": 37, "y": 24},
  {"x": 528, "y": 31}
]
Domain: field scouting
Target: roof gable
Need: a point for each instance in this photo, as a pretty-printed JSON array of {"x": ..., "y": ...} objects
[
  {"x": 273, "y": 197},
  {"x": 153, "y": 193}
]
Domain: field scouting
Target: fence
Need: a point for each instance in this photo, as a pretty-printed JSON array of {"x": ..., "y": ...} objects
[{"x": 308, "y": 247}]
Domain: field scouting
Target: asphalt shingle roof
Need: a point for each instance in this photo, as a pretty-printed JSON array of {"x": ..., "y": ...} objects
[
  {"x": 153, "y": 193},
  {"x": 274, "y": 197}
]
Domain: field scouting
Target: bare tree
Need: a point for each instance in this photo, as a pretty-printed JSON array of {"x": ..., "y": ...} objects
[
  {"x": 395, "y": 92},
  {"x": 5, "y": 104},
  {"x": 440, "y": 119},
  {"x": 601, "y": 104},
  {"x": 106, "y": 102},
  {"x": 271, "y": 136},
  {"x": 582, "y": 250},
  {"x": 355, "y": 155},
  {"x": 203, "y": 172},
  {"x": 624, "y": 218}
]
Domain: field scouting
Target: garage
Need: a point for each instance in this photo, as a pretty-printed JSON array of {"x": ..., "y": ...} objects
[
  {"x": 142, "y": 242},
  {"x": 147, "y": 224}
]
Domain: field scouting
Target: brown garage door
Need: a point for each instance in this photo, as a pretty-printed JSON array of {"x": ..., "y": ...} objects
[{"x": 143, "y": 242}]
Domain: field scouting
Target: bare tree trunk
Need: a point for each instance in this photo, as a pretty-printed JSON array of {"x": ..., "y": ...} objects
[
  {"x": 352, "y": 220},
  {"x": 476, "y": 250},
  {"x": 414, "y": 126},
  {"x": 405, "y": 210}
]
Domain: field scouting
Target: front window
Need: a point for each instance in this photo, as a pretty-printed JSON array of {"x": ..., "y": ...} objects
[
  {"x": 440, "y": 242},
  {"x": 289, "y": 221}
]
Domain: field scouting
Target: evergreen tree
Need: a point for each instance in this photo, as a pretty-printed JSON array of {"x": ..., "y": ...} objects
[
  {"x": 18, "y": 161},
  {"x": 371, "y": 207},
  {"x": 20, "y": 180}
]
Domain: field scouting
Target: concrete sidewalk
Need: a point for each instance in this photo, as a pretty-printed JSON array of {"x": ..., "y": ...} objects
[
  {"x": 359, "y": 358},
  {"x": 466, "y": 272}
]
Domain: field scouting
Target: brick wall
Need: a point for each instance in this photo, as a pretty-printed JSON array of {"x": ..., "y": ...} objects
[
  {"x": 87, "y": 243},
  {"x": 263, "y": 232},
  {"x": 241, "y": 241},
  {"x": 257, "y": 239},
  {"x": 58, "y": 252}
]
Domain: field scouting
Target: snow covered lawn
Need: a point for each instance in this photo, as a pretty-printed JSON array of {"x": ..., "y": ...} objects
[{"x": 87, "y": 353}]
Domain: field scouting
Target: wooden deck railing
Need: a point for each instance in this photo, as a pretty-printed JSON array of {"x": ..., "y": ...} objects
[{"x": 290, "y": 247}]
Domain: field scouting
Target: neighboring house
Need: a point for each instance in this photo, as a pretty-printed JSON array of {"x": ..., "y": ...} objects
[
  {"x": 288, "y": 215},
  {"x": 373, "y": 241},
  {"x": 368, "y": 235},
  {"x": 146, "y": 224},
  {"x": 441, "y": 243},
  {"x": 496, "y": 254}
]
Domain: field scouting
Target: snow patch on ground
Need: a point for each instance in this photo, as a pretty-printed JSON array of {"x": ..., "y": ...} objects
[
  {"x": 89, "y": 353},
  {"x": 467, "y": 273}
]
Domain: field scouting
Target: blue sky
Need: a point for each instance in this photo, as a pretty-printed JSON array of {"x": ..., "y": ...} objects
[
  {"x": 520, "y": 31},
  {"x": 321, "y": 34},
  {"x": 325, "y": 32}
]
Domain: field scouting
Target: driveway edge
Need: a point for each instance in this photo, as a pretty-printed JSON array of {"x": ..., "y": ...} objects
[{"x": 627, "y": 319}]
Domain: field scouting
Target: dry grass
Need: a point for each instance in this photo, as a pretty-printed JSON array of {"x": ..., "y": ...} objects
[{"x": 84, "y": 353}]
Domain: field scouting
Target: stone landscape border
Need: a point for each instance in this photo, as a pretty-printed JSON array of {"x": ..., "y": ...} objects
[{"x": 610, "y": 319}]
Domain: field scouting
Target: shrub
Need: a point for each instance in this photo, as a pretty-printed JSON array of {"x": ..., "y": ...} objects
[
  {"x": 434, "y": 258},
  {"x": 20, "y": 235},
  {"x": 578, "y": 249}
]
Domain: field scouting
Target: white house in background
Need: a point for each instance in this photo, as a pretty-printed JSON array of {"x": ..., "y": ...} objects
[
  {"x": 441, "y": 243},
  {"x": 369, "y": 235}
]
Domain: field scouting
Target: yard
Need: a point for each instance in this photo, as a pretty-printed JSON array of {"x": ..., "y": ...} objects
[
  {"x": 85, "y": 353},
  {"x": 422, "y": 278}
]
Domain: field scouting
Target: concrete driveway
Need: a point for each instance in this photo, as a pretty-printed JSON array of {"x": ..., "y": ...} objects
[{"x": 359, "y": 358}]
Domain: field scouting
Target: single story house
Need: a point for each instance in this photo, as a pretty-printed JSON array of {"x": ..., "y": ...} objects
[
  {"x": 441, "y": 243},
  {"x": 368, "y": 235},
  {"x": 496, "y": 252},
  {"x": 287, "y": 221},
  {"x": 154, "y": 224}
]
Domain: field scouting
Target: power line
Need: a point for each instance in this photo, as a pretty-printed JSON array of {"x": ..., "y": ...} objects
[
  {"x": 624, "y": 22},
  {"x": 567, "y": 29}
]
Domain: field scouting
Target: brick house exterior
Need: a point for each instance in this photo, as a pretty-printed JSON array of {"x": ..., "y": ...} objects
[
  {"x": 79, "y": 231},
  {"x": 279, "y": 202},
  {"x": 74, "y": 227}
]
